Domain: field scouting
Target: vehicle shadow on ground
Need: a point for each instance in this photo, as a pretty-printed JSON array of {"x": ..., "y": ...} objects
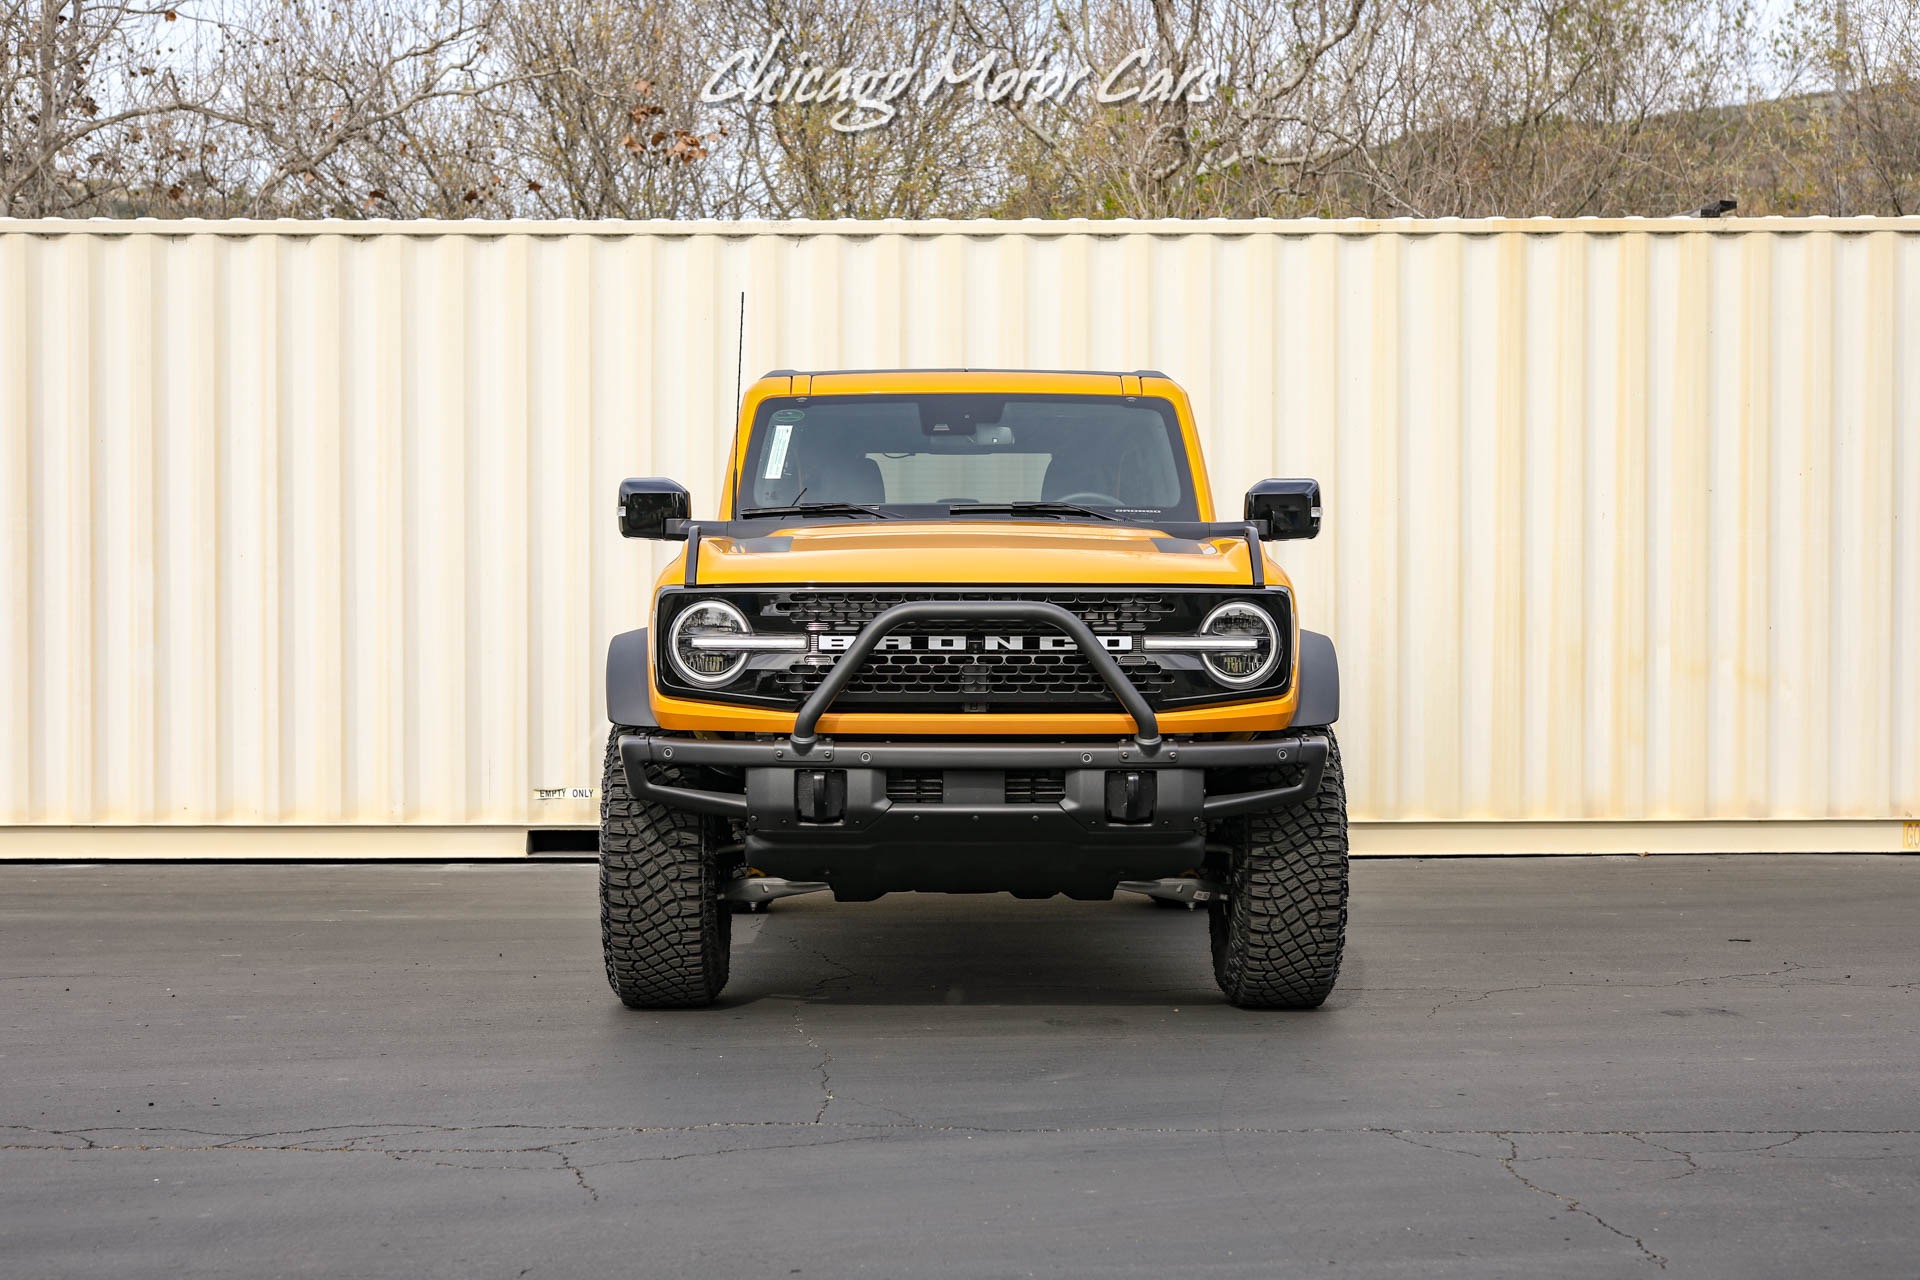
[{"x": 916, "y": 950}]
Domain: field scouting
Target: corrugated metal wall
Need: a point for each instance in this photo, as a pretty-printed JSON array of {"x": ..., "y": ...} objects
[{"x": 313, "y": 523}]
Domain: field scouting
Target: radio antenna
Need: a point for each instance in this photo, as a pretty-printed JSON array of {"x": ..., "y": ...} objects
[{"x": 740, "y": 354}]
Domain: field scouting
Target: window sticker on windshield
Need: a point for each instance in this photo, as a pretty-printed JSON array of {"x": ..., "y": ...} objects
[{"x": 777, "y": 447}]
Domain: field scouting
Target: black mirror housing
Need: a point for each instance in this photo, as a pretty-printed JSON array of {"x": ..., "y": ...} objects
[
  {"x": 1285, "y": 508},
  {"x": 653, "y": 507}
]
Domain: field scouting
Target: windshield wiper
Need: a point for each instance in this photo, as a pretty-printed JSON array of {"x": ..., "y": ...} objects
[
  {"x": 1030, "y": 509},
  {"x": 818, "y": 509}
]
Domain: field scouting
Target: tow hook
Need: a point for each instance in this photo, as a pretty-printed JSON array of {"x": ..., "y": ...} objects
[
  {"x": 820, "y": 795},
  {"x": 1130, "y": 795},
  {"x": 755, "y": 890},
  {"x": 1181, "y": 889}
]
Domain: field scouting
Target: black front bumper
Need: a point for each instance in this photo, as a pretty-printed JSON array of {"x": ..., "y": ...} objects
[{"x": 820, "y": 811}]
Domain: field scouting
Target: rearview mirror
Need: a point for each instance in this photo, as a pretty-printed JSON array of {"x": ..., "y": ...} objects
[
  {"x": 653, "y": 507},
  {"x": 1285, "y": 508}
]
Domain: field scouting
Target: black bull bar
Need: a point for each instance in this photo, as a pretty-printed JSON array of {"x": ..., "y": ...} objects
[{"x": 808, "y": 757}]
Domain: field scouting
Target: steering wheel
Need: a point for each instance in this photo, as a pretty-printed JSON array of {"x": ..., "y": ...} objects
[{"x": 1088, "y": 496}]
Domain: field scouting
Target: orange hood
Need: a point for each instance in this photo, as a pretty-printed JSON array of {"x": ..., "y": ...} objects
[{"x": 1039, "y": 552}]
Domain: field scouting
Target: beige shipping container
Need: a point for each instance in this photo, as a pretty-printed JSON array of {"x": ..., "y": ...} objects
[{"x": 309, "y": 541}]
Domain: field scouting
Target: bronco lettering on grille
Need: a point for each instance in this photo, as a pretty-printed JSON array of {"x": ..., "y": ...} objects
[{"x": 975, "y": 644}]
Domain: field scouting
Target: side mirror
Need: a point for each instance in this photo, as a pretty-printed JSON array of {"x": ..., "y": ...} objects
[
  {"x": 1285, "y": 508},
  {"x": 654, "y": 508}
]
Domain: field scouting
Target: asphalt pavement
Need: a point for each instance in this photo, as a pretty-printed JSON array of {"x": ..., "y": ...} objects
[{"x": 1532, "y": 1067}]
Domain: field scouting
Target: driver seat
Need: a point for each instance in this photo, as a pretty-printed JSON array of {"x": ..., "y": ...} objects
[
  {"x": 831, "y": 468},
  {"x": 1076, "y": 473},
  {"x": 856, "y": 480}
]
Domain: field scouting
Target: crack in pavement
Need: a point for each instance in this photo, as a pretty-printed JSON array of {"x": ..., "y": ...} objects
[
  {"x": 1693, "y": 1166},
  {"x": 1453, "y": 999},
  {"x": 1513, "y": 1157},
  {"x": 564, "y": 1151},
  {"x": 906, "y": 1117},
  {"x": 824, "y": 1066},
  {"x": 734, "y": 1151},
  {"x": 579, "y": 1174},
  {"x": 1651, "y": 1138},
  {"x": 263, "y": 1141},
  {"x": 818, "y": 991},
  {"x": 565, "y": 1145}
]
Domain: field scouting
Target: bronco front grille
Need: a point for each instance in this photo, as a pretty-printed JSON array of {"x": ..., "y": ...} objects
[
  {"x": 974, "y": 665},
  {"x": 974, "y": 678}
]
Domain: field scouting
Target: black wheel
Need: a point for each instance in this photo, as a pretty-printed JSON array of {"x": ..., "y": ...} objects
[
  {"x": 663, "y": 927},
  {"x": 1278, "y": 937}
]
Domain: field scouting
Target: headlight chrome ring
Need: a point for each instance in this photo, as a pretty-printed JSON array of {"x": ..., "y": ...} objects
[
  {"x": 1238, "y": 618},
  {"x": 707, "y": 667}
]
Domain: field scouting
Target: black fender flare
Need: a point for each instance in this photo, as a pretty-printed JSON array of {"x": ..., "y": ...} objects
[
  {"x": 1319, "y": 682},
  {"x": 628, "y": 701}
]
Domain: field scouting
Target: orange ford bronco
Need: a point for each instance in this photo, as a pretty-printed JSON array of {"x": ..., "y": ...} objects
[{"x": 967, "y": 632}]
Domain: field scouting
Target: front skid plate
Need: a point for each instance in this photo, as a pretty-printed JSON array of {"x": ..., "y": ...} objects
[{"x": 1002, "y": 847}]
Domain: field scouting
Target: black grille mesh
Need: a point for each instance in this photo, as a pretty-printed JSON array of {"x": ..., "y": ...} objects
[
  {"x": 1036, "y": 786},
  {"x": 1030, "y": 676},
  {"x": 981, "y": 677},
  {"x": 916, "y": 786},
  {"x": 1023, "y": 786}
]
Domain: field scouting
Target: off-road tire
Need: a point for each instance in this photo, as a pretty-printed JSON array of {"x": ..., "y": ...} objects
[
  {"x": 664, "y": 930},
  {"x": 1278, "y": 937}
]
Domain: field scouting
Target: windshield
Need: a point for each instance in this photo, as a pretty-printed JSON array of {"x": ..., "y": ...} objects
[{"x": 1119, "y": 457}]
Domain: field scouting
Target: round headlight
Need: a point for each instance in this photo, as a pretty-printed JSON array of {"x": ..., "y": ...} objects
[
  {"x": 709, "y": 620},
  {"x": 1251, "y": 663}
]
